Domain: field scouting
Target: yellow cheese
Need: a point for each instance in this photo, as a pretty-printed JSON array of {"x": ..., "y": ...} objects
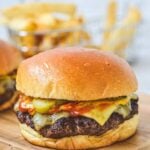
[
  {"x": 2, "y": 89},
  {"x": 102, "y": 115}
]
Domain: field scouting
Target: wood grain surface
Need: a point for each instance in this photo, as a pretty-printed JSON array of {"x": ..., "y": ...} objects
[{"x": 11, "y": 139}]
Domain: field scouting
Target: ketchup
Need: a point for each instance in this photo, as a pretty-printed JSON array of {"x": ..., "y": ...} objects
[
  {"x": 74, "y": 108},
  {"x": 25, "y": 104}
]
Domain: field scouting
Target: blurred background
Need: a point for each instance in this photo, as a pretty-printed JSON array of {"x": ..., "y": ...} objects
[{"x": 119, "y": 26}]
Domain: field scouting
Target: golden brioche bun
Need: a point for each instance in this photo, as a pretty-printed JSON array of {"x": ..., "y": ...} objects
[
  {"x": 124, "y": 131},
  {"x": 9, "y": 103},
  {"x": 10, "y": 58},
  {"x": 75, "y": 74}
]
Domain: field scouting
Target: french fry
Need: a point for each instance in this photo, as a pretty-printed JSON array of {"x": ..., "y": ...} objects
[
  {"x": 47, "y": 43},
  {"x": 74, "y": 21},
  {"x": 46, "y": 21},
  {"x": 120, "y": 37},
  {"x": 35, "y": 9},
  {"x": 27, "y": 41},
  {"x": 22, "y": 24},
  {"x": 133, "y": 16},
  {"x": 84, "y": 35},
  {"x": 110, "y": 19}
]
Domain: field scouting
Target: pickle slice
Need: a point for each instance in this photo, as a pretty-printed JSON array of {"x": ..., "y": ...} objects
[{"x": 43, "y": 106}]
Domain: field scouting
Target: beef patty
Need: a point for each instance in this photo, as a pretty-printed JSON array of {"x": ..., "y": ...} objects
[
  {"x": 9, "y": 85},
  {"x": 9, "y": 92},
  {"x": 79, "y": 125}
]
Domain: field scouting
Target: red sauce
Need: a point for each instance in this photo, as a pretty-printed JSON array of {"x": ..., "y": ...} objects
[
  {"x": 74, "y": 108},
  {"x": 104, "y": 105},
  {"x": 24, "y": 101},
  {"x": 53, "y": 110}
]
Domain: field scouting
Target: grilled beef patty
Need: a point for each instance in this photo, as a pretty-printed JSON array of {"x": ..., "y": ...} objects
[
  {"x": 79, "y": 125},
  {"x": 9, "y": 92},
  {"x": 9, "y": 87}
]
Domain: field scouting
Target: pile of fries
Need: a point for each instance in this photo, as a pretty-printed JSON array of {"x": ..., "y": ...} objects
[
  {"x": 116, "y": 38},
  {"x": 36, "y": 27}
]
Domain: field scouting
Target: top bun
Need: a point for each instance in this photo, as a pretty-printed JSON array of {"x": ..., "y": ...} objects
[
  {"x": 10, "y": 58},
  {"x": 75, "y": 74}
]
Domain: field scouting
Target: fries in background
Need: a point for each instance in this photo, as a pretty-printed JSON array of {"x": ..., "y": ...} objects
[
  {"x": 111, "y": 19},
  {"x": 117, "y": 38},
  {"x": 46, "y": 26},
  {"x": 43, "y": 17},
  {"x": 33, "y": 10}
]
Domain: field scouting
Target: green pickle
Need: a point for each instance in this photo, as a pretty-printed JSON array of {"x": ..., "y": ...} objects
[
  {"x": 43, "y": 106},
  {"x": 124, "y": 110}
]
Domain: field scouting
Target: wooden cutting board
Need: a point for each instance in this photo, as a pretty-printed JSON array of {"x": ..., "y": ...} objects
[{"x": 11, "y": 139}]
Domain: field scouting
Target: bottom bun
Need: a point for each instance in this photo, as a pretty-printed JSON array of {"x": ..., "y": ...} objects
[
  {"x": 9, "y": 103},
  {"x": 124, "y": 130}
]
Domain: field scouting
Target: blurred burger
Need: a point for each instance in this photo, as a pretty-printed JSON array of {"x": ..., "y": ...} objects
[
  {"x": 76, "y": 98},
  {"x": 9, "y": 61}
]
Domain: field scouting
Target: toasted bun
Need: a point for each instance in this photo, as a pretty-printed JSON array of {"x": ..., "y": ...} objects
[
  {"x": 10, "y": 58},
  {"x": 9, "y": 103},
  {"x": 75, "y": 74},
  {"x": 123, "y": 131}
]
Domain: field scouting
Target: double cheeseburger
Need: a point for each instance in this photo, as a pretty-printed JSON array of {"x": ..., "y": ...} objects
[
  {"x": 76, "y": 98},
  {"x": 9, "y": 61}
]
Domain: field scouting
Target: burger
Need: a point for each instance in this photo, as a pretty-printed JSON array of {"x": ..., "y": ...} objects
[
  {"x": 76, "y": 98},
  {"x": 9, "y": 61}
]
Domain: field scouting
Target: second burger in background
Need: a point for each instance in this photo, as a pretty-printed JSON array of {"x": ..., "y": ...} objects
[
  {"x": 76, "y": 98},
  {"x": 10, "y": 58}
]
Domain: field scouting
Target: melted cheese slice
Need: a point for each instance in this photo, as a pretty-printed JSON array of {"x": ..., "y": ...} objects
[{"x": 104, "y": 110}]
